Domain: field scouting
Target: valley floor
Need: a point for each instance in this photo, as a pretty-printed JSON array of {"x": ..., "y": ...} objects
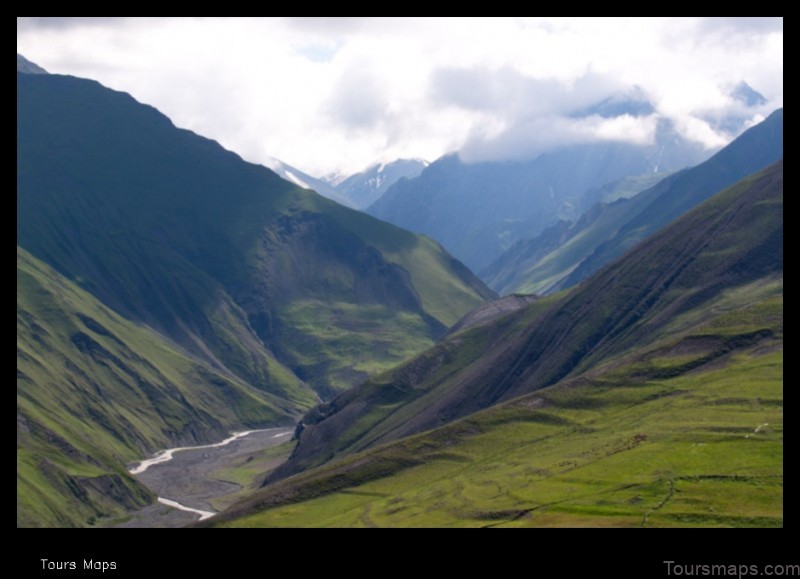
[{"x": 209, "y": 478}]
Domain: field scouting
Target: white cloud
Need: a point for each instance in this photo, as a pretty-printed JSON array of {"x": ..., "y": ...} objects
[
  {"x": 340, "y": 93},
  {"x": 529, "y": 138},
  {"x": 638, "y": 130}
]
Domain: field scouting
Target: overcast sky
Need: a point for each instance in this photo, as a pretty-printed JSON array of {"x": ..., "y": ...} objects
[{"x": 328, "y": 94}]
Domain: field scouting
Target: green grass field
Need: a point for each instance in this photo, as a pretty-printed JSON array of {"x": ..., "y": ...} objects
[{"x": 703, "y": 449}]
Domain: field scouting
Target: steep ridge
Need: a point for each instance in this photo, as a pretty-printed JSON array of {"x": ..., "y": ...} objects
[
  {"x": 28, "y": 67},
  {"x": 732, "y": 240},
  {"x": 563, "y": 255}
]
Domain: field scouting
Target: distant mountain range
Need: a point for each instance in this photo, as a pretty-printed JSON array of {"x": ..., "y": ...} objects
[
  {"x": 306, "y": 181},
  {"x": 358, "y": 190},
  {"x": 565, "y": 254},
  {"x": 363, "y": 189},
  {"x": 161, "y": 277},
  {"x": 479, "y": 210}
]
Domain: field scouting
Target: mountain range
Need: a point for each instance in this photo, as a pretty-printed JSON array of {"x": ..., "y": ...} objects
[
  {"x": 364, "y": 188},
  {"x": 479, "y": 210},
  {"x": 306, "y": 181},
  {"x": 651, "y": 394},
  {"x": 169, "y": 293},
  {"x": 263, "y": 296}
]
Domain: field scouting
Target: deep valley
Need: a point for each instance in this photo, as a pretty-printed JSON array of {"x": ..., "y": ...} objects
[{"x": 571, "y": 315}]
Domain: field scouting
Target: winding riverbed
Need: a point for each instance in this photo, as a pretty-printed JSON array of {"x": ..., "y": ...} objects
[
  {"x": 186, "y": 479},
  {"x": 166, "y": 455}
]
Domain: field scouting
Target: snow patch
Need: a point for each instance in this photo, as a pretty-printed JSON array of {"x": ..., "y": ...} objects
[{"x": 296, "y": 180}]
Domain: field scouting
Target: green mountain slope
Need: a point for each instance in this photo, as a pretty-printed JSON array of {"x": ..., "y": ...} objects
[
  {"x": 95, "y": 392},
  {"x": 231, "y": 262},
  {"x": 667, "y": 286},
  {"x": 190, "y": 293},
  {"x": 631, "y": 447},
  {"x": 563, "y": 256}
]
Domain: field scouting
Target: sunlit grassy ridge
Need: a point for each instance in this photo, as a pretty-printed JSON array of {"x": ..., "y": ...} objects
[{"x": 625, "y": 446}]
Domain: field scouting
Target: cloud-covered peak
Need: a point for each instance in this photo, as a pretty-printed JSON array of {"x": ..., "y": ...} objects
[
  {"x": 633, "y": 102},
  {"x": 748, "y": 96}
]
